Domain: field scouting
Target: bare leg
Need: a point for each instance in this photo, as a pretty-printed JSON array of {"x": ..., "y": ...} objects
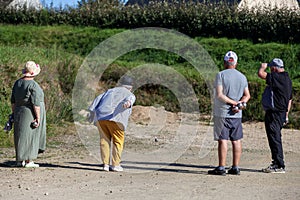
[
  {"x": 222, "y": 152},
  {"x": 237, "y": 152}
]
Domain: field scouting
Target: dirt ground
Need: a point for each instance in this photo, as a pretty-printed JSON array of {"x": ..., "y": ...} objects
[{"x": 157, "y": 164}]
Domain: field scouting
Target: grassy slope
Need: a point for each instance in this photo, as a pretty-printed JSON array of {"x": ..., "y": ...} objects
[{"x": 61, "y": 49}]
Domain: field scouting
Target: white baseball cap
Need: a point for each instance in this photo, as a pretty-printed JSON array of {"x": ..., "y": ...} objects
[{"x": 231, "y": 57}]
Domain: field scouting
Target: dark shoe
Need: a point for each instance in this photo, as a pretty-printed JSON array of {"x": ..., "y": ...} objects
[
  {"x": 234, "y": 171},
  {"x": 20, "y": 163},
  {"x": 217, "y": 171},
  {"x": 41, "y": 151},
  {"x": 274, "y": 169}
]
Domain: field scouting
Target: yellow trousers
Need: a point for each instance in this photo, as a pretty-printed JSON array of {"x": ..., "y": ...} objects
[{"x": 111, "y": 131}]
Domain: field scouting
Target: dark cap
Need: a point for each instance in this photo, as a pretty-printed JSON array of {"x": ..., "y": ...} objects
[
  {"x": 126, "y": 80},
  {"x": 276, "y": 62}
]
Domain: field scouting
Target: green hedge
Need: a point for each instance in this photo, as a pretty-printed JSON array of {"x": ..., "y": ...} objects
[{"x": 193, "y": 19}]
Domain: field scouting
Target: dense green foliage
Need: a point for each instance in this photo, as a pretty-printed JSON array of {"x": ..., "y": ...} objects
[{"x": 193, "y": 19}]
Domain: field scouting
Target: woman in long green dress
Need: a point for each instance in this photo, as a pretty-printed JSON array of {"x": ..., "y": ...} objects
[{"x": 27, "y": 101}]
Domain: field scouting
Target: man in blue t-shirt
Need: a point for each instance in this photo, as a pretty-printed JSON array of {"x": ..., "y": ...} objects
[
  {"x": 277, "y": 116},
  {"x": 231, "y": 95}
]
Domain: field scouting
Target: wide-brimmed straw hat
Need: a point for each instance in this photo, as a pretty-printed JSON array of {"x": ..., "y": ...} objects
[{"x": 31, "y": 69}]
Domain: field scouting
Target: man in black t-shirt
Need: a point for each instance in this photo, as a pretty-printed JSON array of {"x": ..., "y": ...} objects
[{"x": 276, "y": 117}]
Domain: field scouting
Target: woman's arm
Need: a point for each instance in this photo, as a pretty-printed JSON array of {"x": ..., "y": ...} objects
[{"x": 37, "y": 111}]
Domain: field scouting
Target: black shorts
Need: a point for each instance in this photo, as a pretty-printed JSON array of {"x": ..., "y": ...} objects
[{"x": 228, "y": 128}]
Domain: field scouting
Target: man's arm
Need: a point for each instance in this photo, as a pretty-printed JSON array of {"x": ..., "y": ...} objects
[
  {"x": 13, "y": 107},
  {"x": 289, "y": 106},
  {"x": 223, "y": 97},
  {"x": 287, "y": 113},
  {"x": 246, "y": 95},
  {"x": 262, "y": 71}
]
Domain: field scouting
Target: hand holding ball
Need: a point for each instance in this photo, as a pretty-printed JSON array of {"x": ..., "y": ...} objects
[{"x": 239, "y": 106}]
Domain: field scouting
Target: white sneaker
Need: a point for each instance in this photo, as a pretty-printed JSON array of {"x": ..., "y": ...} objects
[
  {"x": 31, "y": 164},
  {"x": 105, "y": 168},
  {"x": 117, "y": 168}
]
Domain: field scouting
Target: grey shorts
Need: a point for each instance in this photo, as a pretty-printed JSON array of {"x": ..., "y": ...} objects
[{"x": 228, "y": 128}]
